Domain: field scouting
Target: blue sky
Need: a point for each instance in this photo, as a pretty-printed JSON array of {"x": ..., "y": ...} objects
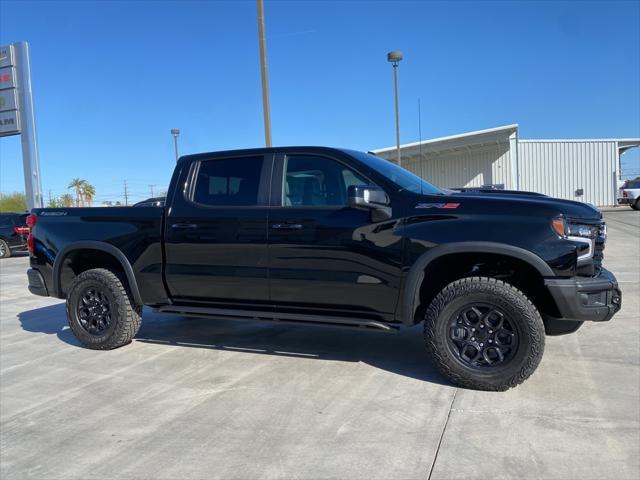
[{"x": 112, "y": 78}]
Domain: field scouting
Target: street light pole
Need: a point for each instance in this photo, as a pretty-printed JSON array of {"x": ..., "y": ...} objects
[
  {"x": 395, "y": 57},
  {"x": 175, "y": 132},
  {"x": 263, "y": 73}
]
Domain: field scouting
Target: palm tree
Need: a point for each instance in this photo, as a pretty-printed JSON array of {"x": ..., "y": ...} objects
[
  {"x": 66, "y": 200},
  {"x": 88, "y": 192},
  {"x": 78, "y": 184}
]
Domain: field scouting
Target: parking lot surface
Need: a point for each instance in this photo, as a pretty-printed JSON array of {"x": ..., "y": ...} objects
[{"x": 201, "y": 399}]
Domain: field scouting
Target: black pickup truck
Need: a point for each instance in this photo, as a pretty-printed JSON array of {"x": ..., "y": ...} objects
[{"x": 314, "y": 235}]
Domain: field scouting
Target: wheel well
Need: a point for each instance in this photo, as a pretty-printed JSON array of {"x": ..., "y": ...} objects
[
  {"x": 448, "y": 268},
  {"x": 81, "y": 260}
]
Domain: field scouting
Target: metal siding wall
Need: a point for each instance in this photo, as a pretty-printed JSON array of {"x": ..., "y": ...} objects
[
  {"x": 559, "y": 168},
  {"x": 473, "y": 167}
]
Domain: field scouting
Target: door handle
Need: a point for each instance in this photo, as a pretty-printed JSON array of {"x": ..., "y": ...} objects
[
  {"x": 286, "y": 226},
  {"x": 184, "y": 226}
]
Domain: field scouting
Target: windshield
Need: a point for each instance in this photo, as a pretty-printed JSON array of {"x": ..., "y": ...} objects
[{"x": 398, "y": 175}]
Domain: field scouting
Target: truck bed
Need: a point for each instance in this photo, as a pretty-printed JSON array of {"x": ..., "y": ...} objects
[{"x": 134, "y": 232}]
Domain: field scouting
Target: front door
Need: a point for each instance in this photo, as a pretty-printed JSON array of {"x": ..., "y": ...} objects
[
  {"x": 323, "y": 255},
  {"x": 216, "y": 232}
]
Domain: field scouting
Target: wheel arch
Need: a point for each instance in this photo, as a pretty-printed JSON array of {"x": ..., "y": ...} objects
[
  {"x": 88, "y": 245},
  {"x": 410, "y": 295}
]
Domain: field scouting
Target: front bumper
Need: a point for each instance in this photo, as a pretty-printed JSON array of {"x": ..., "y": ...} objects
[{"x": 586, "y": 298}]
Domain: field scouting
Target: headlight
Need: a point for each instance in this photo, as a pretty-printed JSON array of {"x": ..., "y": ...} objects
[
  {"x": 577, "y": 232},
  {"x": 569, "y": 229}
]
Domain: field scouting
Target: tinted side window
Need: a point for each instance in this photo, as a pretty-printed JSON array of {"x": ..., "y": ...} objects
[
  {"x": 350, "y": 178},
  {"x": 228, "y": 181},
  {"x": 313, "y": 180}
]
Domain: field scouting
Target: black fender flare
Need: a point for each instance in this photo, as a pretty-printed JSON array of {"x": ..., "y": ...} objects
[
  {"x": 409, "y": 298},
  {"x": 95, "y": 245}
]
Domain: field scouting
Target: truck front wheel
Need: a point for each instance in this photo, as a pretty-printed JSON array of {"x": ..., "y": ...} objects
[
  {"x": 100, "y": 311},
  {"x": 484, "y": 334}
]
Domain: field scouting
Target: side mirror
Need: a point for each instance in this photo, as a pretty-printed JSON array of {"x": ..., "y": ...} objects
[{"x": 372, "y": 198}]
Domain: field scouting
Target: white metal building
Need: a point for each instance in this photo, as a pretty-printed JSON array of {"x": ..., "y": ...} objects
[{"x": 587, "y": 170}]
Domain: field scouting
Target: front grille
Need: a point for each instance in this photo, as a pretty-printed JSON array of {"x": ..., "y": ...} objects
[{"x": 598, "y": 248}]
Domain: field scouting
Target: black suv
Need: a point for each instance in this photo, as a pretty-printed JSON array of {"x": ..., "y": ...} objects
[
  {"x": 319, "y": 235},
  {"x": 13, "y": 233}
]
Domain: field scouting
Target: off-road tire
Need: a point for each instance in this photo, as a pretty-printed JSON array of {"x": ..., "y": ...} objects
[
  {"x": 522, "y": 314},
  {"x": 5, "y": 251},
  {"x": 126, "y": 316}
]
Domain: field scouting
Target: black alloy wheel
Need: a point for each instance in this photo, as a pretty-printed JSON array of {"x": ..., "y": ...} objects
[
  {"x": 482, "y": 336},
  {"x": 94, "y": 310}
]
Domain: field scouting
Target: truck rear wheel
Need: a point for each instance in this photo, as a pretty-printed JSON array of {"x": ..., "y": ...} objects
[
  {"x": 484, "y": 334},
  {"x": 100, "y": 310},
  {"x": 636, "y": 205}
]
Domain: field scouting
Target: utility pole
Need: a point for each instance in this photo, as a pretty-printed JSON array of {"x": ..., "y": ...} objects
[
  {"x": 263, "y": 72},
  {"x": 151, "y": 189},
  {"x": 126, "y": 194},
  {"x": 420, "y": 138},
  {"x": 50, "y": 200}
]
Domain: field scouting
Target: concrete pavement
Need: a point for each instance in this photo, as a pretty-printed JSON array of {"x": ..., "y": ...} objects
[{"x": 200, "y": 399}]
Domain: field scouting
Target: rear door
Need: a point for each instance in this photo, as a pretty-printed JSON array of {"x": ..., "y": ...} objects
[
  {"x": 216, "y": 232},
  {"x": 326, "y": 257}
]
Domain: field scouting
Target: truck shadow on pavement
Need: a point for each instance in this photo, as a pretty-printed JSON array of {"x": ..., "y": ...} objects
[
  {"x": 403, "y": 353},
  {"x": 51, "y": 320}
]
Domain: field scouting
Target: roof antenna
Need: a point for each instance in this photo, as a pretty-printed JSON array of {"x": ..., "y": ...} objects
[{"x": 420, "y": 146}]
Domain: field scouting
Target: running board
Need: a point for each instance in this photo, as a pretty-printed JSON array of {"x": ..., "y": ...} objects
[{"x": 281, "y": 317}]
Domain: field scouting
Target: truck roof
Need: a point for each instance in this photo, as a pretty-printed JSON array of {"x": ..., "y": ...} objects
[{"x": 263, "y": 150}]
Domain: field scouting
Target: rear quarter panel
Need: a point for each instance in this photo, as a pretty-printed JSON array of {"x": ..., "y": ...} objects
[{"x": 135, "y": 231}]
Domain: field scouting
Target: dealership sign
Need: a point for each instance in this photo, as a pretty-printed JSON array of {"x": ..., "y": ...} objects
[
  {"x": 17, "y": 117},
  {"x": 9, "y": 107}
]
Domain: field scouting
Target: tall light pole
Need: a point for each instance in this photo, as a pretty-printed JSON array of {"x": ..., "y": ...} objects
[
  {"x": 175, "y": 132},
  {"x": 395, "y": 57},
  {"x": 263, "y": 73}
]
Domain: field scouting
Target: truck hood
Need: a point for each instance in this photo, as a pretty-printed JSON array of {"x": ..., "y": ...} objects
[{"x": 528, "y": 202}]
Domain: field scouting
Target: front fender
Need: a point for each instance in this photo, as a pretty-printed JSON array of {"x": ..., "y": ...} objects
[{"x": 410, "y": 295}]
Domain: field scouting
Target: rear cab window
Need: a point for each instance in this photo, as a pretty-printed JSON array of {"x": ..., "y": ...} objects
[{"x": 228, "y": 181}]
